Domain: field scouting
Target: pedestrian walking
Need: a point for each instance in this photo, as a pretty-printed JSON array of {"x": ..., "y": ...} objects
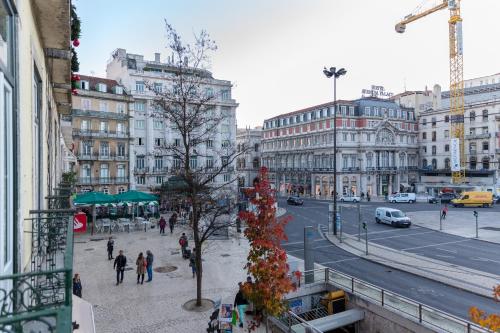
[
  {"x": 141, "y": 267},
  {"x": 240, "y": 304},
  {"x": 444, "y": 212},
  {"x": 163, "y": 224},
  {"x": 183, "y": 242},
  {"x": 192, "y": 262},
  {"x": 110, "y": 246},
  {"x": 77, "y": 285},
  {"x": 119, "y": 265},
  {"x": 149, "y": 265},
  {"x": 171, "y": 222},
  {"x": 368, "y": 197}
]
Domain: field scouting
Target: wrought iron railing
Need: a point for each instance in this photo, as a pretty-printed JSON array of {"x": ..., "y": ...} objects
[
  {"x": 417, "y": 312},
  {"x": 40, "y": 300}
]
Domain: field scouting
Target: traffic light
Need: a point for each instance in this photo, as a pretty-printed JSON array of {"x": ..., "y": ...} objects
[
  {"x": 364, "y": 225},
  {"x": 476, "y": 213}
]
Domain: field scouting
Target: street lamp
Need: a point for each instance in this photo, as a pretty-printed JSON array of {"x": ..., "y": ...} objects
[{"x": 333, "y": 72}]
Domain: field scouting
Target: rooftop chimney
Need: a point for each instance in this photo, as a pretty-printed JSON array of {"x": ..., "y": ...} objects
[{"x": 157, "y": 57}]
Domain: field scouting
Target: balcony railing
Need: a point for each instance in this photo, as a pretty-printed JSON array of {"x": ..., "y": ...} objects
[
  {"x": 102, "y": 180},
  {"x": 478, "y": 136},
  {"x": 41, "y": 300},
  {"x": 99, "y": 114},
  {"x": 159, "y": 171},
  {"x": 102, "y": 157},
  {"x": 101, "y": 134}
]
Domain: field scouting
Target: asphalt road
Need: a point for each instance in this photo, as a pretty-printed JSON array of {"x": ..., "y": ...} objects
[{"x": 435, "y": 294}]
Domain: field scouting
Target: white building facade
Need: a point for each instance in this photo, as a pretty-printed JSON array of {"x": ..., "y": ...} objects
[
  {"x": 149, "y": 164},
  {"x": 248, "y": 141},
  {"x": 377, "y": 150}
]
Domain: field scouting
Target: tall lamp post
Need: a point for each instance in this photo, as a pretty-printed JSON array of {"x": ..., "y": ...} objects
[{"x": 333, "y": 72}]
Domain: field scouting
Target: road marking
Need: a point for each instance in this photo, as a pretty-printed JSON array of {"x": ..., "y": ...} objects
[
  {"x": 431, "y": 245},
  {"x": 445, "y": 250},
  {"x": 392, "y": 230},
  {"x": 320, "y": 247},
  {"x": 444, "y": 256},
  {"x": 420, "y": 233},
  {"x": 485, "y": 259},
  {"x": 340, "y": 260}
]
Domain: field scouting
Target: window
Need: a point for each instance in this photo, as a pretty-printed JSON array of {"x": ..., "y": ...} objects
[
  {"x": 158, "y": 87},
  {"x": 486, "y": 163},
  {"x": 139, "y": 87},
  {"x": 446, "y": 163},
  {"x": 104, "y": 172},
  {"x": 446, "y": 148},
  {"x": 485, "y": 115},
  {"x": 446, "y": 134},
  {"x": 227, "y": 177},
  {"x": 256, "y": 147},
  {"x": 209, "y": 162},
  {"x": 343, "y": 110},
  {"x": 140, "y": 141},
  {"x": 85, "y": 172},
  {"x": 485, "y": 130},
  {"x": 226, "y": 144},
  {"x": 86, "y": 148},
  {"x": 424, "y": 136},
  {"x": 120, "y": 150},
  {"x": 351, "y": 110},
  {"x": 210, "y": 143},
  {"x": 353, "y": 137},
  {"x": 141, "y": 180},
  {"x": 424, "y": 163},
  {"x": 121, "y": 190},
  {"x": 158, "y": 162},
  {"x": 159, "y": 180},
  {"x": 434, "y": 164},
  {"x": 103, "y": 127},
  {"x": 139, "y": 162},
  {"x": 344, "y": 136},
  {"x": 139, "y": 106},
  {"x": 424, "y": 148},
  {"x": 176, "y": 163},
  {"x": 193, "y": 162},
  {"x": 446, "y": 119},
  {"x": 424, "y": 122},
  {"x": 85, "y": 125},
  {"x": 225, "y": 95},
  {"x": 344, "y": 162},
  {"x": 118, "y": 90},
  {"x": 84, "y": 85},
  {"x": 120, "y": 171},
  {"x": 433, "y": 150},
  {"x": 472, "y": 116},
  {"x": 105, "y": 190},
  {"x": 472, "y": 148},
  {"x": 434, "y": 136},
  {"x": 104, "y": 149},
  {"x": 139, "y": 124},
  {"x": 486, "y": 146},
  {"x": 353, "y": 123},
  {"x": 344, "y": 123},
  {"x": 120, "y": 108},
  {"x": 120, "y": 128},
  {"x": 85, "y": 103},
  {"x": 102, "y": 87},
  {"x": 158, "y": 142},
  {"x": 367, "y": 110},
  {"x": 473, "y": 163},
  {"x": 158, "y": 124}
]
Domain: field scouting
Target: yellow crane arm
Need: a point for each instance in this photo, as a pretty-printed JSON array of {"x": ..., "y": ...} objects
[{"x": 401, "y": 26}]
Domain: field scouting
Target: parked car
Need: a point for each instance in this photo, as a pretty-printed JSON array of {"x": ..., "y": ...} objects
[
  {"x": 432, "y": 199},
  {"x": 474, "y": 199},
  {"x": 350, "y": 198},
  {"x": 403, "y": 197},
  {"x": 446, "y": 198},
  {"x": 496, "y": 198},
  {"x": 296, "y": 201},
  {"x": 394, "y": 217}
]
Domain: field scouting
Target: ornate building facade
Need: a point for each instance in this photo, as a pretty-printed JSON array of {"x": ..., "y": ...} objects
[
  {"x": 248, "y": 141},
  {"x": 377, "y": 148}
]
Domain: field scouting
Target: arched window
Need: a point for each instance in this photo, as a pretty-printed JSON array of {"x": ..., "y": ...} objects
[
  {"x": 434, "y": 164},
  {"x": 446, "y": 163},
  {"x": 486, "y": 163},
  {"x": 424, "y": 163},
  {"x": 473, "y": 163},
  {"x": 255, "y": 162}
]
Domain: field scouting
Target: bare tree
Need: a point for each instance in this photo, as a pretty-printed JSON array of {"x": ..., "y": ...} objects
[{"x": 188, "y": 106}]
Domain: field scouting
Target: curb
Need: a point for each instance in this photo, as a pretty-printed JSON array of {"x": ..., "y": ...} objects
[{"x": 436, "y": 274}]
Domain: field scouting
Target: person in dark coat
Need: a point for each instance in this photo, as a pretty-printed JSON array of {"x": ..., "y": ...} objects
[
  {"x": 119, "y": 265},
  {"x": 192, "y": 262},
  {"x": 163, "y": 224},
  {"x": 149, "y": 265},
  {"x": 171, "y": 222},
  {"x": 183, "y": 242},
  {"x": 77, "y": 285},
  {"x": 240, "y": 304},
  {"x": 110, "y": 246},
  {"x": 141, "y": 267}
]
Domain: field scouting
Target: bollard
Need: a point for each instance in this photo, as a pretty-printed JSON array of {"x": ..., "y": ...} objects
[
  {"x": 365, "y": 226},
  {"x": 359, "y": 221},
  {"x": 476, "y": 214}
]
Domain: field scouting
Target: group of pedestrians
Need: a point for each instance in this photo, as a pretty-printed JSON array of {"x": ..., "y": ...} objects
[
  {"x": 144, "y": 264},
  {"x": 171, "y": 223}
]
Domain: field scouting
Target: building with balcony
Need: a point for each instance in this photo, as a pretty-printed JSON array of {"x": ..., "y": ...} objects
[
  {"x": 248, "y": 142},
  {"x": 482, "y": 138},
  {"x": 100, "y": 122},
  {"x": 36, "y": 257},
  {"x": 377, "y": 150},
  {"x": 152, "y": 163}
]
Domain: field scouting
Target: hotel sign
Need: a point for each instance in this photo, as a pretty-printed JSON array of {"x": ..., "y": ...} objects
[
  {"x": 376, "y": 91},
  {"x": 455, "y": 154}
]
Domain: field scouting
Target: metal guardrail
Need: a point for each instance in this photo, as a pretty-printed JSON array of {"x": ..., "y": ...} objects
[{"x": 417, "y": 312}]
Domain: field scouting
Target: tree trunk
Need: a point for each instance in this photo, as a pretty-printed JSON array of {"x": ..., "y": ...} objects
[{"x": 198, "y": 265}]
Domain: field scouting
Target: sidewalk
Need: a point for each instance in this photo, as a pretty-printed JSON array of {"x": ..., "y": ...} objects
[
  {"x": 461, "y": 223},
  {"x": 460, "y": 277},
  {"x": 156, "y": 306}
]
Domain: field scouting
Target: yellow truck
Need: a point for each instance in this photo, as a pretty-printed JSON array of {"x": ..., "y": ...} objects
[{"x": 473, "y": 199}]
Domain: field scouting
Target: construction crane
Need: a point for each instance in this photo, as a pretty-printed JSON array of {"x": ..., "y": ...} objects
[{"x": 457, "y": 148}]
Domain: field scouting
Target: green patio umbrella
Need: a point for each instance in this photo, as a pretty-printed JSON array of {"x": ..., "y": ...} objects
[
  {"x": 135, "y": 196},
  {"x": 93, "y": 199}
]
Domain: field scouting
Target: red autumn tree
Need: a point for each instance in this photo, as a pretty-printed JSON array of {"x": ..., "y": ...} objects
[
  {"x": 267, "y": 260},
  {"x": 491, "y": 321}
]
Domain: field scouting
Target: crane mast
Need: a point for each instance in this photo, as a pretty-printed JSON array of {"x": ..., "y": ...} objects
[{"x": 458, "y": 162}]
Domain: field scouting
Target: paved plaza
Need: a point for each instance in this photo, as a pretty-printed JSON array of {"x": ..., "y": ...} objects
[{"x": 156, "y": 306}]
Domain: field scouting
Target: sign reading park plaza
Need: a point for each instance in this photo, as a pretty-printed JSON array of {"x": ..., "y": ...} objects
[{"x": 376, "y": 91}]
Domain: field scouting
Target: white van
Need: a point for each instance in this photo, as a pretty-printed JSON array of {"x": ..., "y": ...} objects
[
  {"x": 392, "y": 216},
  {"x": 403, "y": 197}
]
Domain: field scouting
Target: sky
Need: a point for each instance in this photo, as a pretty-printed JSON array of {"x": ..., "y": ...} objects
[{"x": 273, "y": 51}]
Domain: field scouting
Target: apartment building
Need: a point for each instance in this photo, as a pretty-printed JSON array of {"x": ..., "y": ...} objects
[
  {"x": 101, "y": 121},
  {"x": 377, "y": 149},
  {"x": 153, "y": 165},
  {"x": 248, "y": 141}
]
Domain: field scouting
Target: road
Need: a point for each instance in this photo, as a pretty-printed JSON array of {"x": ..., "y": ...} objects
[{"x": 435, "y": 294}]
